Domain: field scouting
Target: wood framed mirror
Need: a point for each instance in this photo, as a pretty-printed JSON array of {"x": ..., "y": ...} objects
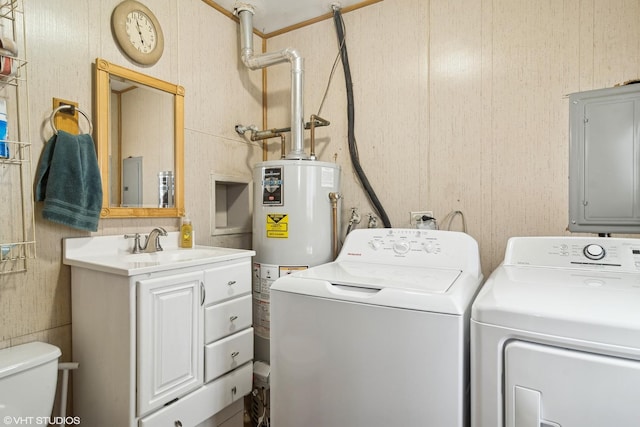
[{"x": 139, "y": 124}]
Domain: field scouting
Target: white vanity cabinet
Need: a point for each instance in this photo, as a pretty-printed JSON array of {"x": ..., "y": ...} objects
[
  {"x": 165, "y": 346},
  {"x": 228, "y": 333},
  {"x": 169, "y": 362}
]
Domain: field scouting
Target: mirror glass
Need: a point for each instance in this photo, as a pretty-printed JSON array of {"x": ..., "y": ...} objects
[{"x": 140, "y": 140}]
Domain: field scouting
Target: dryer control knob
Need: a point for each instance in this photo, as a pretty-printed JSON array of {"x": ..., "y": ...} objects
[
  {"x": 401, "y": 247},
  {"x": 594, "y": 252}
]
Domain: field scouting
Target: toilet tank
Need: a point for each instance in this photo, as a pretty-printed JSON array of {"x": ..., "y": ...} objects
[{"x": 28, "y": 376}]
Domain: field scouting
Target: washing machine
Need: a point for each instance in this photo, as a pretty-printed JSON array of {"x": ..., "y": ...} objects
[
  {"x": 555, "y": 335},
  {"x": 378, "y": 337}
]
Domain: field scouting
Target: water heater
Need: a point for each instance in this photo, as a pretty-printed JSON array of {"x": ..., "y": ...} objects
[{"x": 292, "y": 228}]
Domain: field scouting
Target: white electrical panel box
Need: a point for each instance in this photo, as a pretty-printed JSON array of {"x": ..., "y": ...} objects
[{"x": 604, "y": 164}]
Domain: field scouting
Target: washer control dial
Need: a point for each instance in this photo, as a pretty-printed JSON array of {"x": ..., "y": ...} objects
[
  {"x": 594, "y": 252},
  {"x": 401, "y": 247},
  {"x": 428, "y": 248},
  {"x": 375, "y": 244}
]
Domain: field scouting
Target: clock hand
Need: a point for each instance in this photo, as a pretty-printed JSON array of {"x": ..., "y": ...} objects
[{"x": 139, "y": 32}]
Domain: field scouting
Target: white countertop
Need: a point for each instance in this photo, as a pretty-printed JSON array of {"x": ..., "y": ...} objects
[{"x": 112, "y": 254}]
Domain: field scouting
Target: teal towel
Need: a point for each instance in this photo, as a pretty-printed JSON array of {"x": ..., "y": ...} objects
[{"x": 68, "y": 181}]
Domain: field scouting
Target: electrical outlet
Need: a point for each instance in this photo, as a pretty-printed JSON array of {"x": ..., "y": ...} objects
[{"x": 417, "y": 215}]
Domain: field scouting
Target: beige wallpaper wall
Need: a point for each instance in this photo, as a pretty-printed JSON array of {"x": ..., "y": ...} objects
[
  {"x": 460, "y": 105},
  {"x": 64, "y": 37}
]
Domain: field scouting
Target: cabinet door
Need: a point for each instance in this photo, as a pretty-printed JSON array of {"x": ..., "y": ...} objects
[{"x": 170, "y": 342}]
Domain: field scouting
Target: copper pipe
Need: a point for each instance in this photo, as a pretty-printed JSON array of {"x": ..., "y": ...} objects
[
  {"x": 312, "y": 154},
  {"x": 267, "y": 133},
  {"x": 334, "y": 226},
  {"x": 275, "y": 132},
  {"x": 319, "y": 122},
  {"x": 262, "y": 135},
  {"x": 282, "y": 146},
  {"x": 313, "y": 122}
]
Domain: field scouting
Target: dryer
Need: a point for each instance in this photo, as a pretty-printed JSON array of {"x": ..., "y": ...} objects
[
  {"x": 555, "y": 335},
  {"x": 379, "y": 337}
]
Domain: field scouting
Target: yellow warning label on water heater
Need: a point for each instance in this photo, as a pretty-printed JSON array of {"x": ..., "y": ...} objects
[{"x": 278, "y": 226}]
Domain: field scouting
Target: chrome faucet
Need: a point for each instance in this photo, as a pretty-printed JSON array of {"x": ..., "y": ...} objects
[
  {"x": 153, "y": 238},
  {"x": 136, "y": 242}
]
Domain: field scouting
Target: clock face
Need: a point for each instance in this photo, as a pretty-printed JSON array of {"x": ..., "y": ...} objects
[
  {"x": 141, "y": 31},
  {"x": 137, "y": 32}
]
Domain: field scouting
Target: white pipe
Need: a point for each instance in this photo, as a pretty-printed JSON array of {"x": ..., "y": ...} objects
[
  {"x": 65, "y": 367},
  {"x": 245, "y": 14}
]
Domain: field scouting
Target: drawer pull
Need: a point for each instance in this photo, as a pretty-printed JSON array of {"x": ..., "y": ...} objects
[
  {"x": 234, "y": 390},
  {"x": 203, "y": 293},
  {"x": 231, "y": 282},
  {"x": 235, "y": 354},
  {"x": 232, "y": 318},
  {"x": 178, "y": 423}
]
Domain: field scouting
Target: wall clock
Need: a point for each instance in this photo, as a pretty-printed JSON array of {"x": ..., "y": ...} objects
[{"x": 137, "y": 32}]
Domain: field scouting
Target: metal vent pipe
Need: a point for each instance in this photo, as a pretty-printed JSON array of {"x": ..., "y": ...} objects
[{"x": 245, "y": 14}]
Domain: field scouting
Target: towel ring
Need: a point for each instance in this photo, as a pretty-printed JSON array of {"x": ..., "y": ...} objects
[{"x": 72, "y": 108}]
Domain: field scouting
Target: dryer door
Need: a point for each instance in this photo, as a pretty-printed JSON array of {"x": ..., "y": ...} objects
[{"x": 552, "y": 387}]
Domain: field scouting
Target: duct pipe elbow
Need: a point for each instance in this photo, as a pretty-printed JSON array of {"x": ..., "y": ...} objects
[
  {"x": 293, "y": 56},
  {"x": 255, "y": 62},
  {"x": 246, "y": 56},
  {"x": 242, "y": 7}
]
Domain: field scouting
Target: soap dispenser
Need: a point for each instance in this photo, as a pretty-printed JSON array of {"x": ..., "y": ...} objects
[{"x": 186, "y": 233}]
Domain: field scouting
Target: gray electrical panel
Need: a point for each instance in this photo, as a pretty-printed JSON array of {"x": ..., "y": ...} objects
[{"x": 604, "y": 160}]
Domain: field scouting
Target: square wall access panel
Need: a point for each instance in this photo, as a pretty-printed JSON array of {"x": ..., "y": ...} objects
[
  {"x": 604, "y": 160},
  {"x": 231, "y": 205}
]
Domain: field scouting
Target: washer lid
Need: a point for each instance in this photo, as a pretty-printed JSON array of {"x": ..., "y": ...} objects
[
  {"x": 380, "y": 276},
  {"x": 596, "y": 306},
  {"x": 418, "y": 288}
]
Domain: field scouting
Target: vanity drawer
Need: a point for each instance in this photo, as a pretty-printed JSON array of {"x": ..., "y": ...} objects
[
  {"x": 227, "y": 318},
  {"x": 228, "y": 353},
  {"x": 228, "y": 281},
  {"x": 203, "y": 403}
]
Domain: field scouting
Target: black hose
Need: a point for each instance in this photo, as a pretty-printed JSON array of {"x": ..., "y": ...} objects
[{"x": 353, "y": 149}]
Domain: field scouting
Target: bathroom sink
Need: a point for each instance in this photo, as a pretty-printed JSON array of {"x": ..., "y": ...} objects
[
  {"x": 112, "y": 254},
  {"x": 174, "y": 255}
]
